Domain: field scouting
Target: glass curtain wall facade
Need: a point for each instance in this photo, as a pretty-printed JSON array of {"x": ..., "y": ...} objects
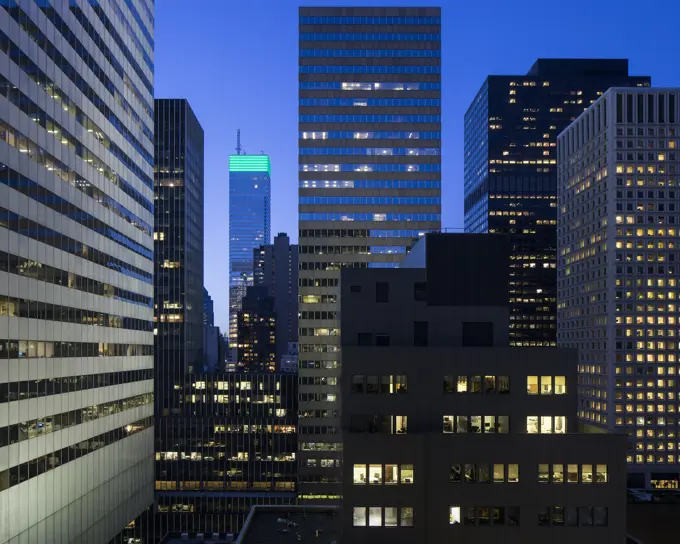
[
  {"x": 76, "y": 269},
  {"x": 233, "y": 447},
  {"x": 249, "y": 225},
  {"x": 369, "y": 183},
  {"x": 619, "y": 215},
  {"x": 511, "y": 131}
]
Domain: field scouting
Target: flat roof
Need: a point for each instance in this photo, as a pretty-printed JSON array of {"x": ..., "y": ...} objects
[{"x": 318, "y": 524}]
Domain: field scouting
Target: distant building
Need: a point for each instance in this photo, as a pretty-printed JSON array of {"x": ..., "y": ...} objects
[
  {"x": 256, "y": 331},
  {"x": 233, "y": 445},
  {"x": 618, "y": 267},
  {"x": 249, "y": 224},
  {"x": 511, "y": 131},
  {"x": 208, "y": 309},
  {"x": 289, "y": 361},
  {"x": 276, "y": 267},
  {"x": 449, "y": 432}
]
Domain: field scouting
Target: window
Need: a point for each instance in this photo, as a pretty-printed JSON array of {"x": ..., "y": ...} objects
[
  {"x": 385, "y": 384},
  {"x": 558, "y": 474},
  {"x": 391, "y": 475},
  {"x": 469, "y": 473},
  {"x": 364, "y": 339},
  {"x": 484, "y": 515},
  {"x": 455, "y": 474},
  {"x": 560, "y": 425},
  {"x": 462, "y": 384},
  {"x": 498, "y": 473},
  {"x": 560, "y": 385},
  {"x": 513, "y": 515},
  {"x": 476, "y": 334},
  {"x": 406, "y": 472},
  {"x": 513, "y": 473},
  {"x": 390, "y": 516},
  {"x": 587, "y": 474},
  {"x": 407, "y": 517},
  {"x": 447, "y": 426},
  {"x": 420, "y": 333},
  {"x": 489, "y": 384},
  {"x": 371, "y": 384},
  {"x": 601, "y": 474},
  {"x": 360, "y": 474},
  {"x": 454, "y": 515},
  {"x": 400, "y": 425},
  {"x": 382, "y": 339},
  {"x": 359, "y": 516},
  {"x": 585, "y": 513},
  {"x": 558, "y": 515},
  {"x": 375, "y": 474},
  {"x": 448, "y": 384},
  {"x": 544, "y": 516},
  {"x": 572, "y": 517},
  {"x": 498, "y": 515},
  {"x": 400, "y": 383},
  {"x": 601, "y": 515},
  {"x": 546, "y": 385},
  {"x": 503, "y": 384},
  {"x": 476, "y": 385},
  {"x": 532, "y": 385},
  {"x": 572, "y": 474},
  {"x": 483, "y": 473},
  {"x": 543, "y": 473},
  {"x": 470, "y": 516},
  {"x": 420, "y": 291},
  {"x": 374, "y": 516},
  {"x": 462, "y": 424},
  {"x": 382, "y": 292},
  {"x": 548, "y": 424}
]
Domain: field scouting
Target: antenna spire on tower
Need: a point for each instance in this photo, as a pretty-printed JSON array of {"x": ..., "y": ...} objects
[{"x": 238, "y": 141}]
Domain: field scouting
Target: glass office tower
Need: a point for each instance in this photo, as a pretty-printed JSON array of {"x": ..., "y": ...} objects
[
  {"x": 511, "y": 131},
  {"x": 369, "y": 183},
  {"x": 76, "y": 268},
  {"x": 249, "y": 225}
]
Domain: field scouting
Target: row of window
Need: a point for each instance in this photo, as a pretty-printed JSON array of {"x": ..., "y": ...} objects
[
  {"x": 377, "y": 118},
  {"x": 430, "y": 217},
  {"x": 304, "y": 314},
  {"x": 379, "y": 151},
  {"x": 20, "y": 473},
  {"x": 376, "y": 423},
  {"x": 22, "y": 349},
  {"x": 497, "y": 473},
  {"x": 557, "y": 516},
  {"x": 369, "y": 86},
  {"x": 36, "y": 231},
  {"x": 370, "y": 184},
  {"x": 476, "y": 424},
  {"x": 371, "y": 53},
  {"x": 389, "y": 474},
  {"x": 364, "y": 102},
  {"x": 358, "y": 233},
  {"x": 369, "y": 36},
  {"x": 477, "y": 384},
  {"x": 379, "y": 516},
  {"x": 28, "y": 429},
  {"x": 29, "y": 268},
  {"x": 31, "y": 389},
  {"x": 386, "y": 384},
  {"x": 367, "y": 20},
  {"x": 380, "y": 69},
  {"x": 354, "y": 167},
  {"x": 366, "y": 135},
  {"x": 33, "y": 72},
  {"x": 21, "y": 307},
  {"x": 549, "y": 385},
  {"x": 555, "y": 473},
  {"x": 371, "y": 200}
]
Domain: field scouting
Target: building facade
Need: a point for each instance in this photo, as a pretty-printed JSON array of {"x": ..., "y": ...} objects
[
  {"x": 208, "y": 309},
  {"x": 256, "y": 331},
  {"x": 369, "y": 183},
  {"x": 617, "y": 271},
  {"x": 231, "y": 447},
  {"x": 76, "y": 269},
  {"x": 249, "y": 224},
  {"x": 449, "y": 433},
  {"x": 276, "y": 267},
  {"x": 511, "y": 131}
]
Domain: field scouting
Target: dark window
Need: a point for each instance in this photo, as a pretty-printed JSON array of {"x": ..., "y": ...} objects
[
  {"x": 371, "y": 384},
  {"x": 364, "y": 339},
  {"x": 382, "y": 339},
  {"x": 420, "y": 333},
  {"x": 449, "y": 384},
  {"x": 420, "y": 291},
  {"x": 513, "y": 511},
  {"x": 619, "y": 108},
  {"x": 544, "y": 515},
  {"x": 382, "y": 291},
  {"x": 477, "y": 334},
  {"x": 355, "y": 289},
  {"x": 358, "y": 383}
]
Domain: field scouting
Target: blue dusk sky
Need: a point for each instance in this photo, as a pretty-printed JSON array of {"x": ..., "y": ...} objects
[{"x": 236, "y": 63}]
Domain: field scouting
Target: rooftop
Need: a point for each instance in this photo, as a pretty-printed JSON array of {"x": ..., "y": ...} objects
[{"x": 283, "y": 524}]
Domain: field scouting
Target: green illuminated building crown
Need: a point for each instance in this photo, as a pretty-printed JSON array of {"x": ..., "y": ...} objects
[{"x": 250, "y": 163}]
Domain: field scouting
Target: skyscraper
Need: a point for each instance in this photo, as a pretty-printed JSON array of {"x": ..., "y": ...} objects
[
  {"x": 208, "y": 309},
  {"x": 617, "y": 232},
  {"x": 178, "y": 295},
  {"x": 369, "y": 183},
  {"x": 76, "y": 269},
  {"x": 249, "y": 224},
  {"x": 276, "y": 267},
  {"x": 256, "y": 331},
  {"x": 511, "y": 131}
]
